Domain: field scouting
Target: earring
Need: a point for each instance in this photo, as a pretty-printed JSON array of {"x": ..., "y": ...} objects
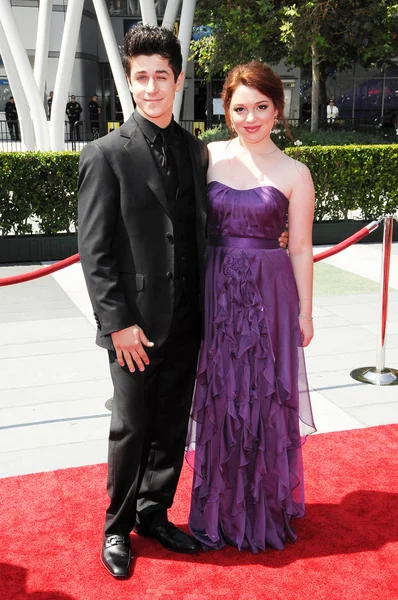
[{"x": 275, "y": 119}]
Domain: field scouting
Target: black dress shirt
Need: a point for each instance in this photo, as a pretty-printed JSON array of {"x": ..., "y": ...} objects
[{"x": 180, "y": 192}]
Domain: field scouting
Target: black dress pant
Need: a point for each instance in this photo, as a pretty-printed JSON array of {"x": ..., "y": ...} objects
[{"x": 149, "y": 423}]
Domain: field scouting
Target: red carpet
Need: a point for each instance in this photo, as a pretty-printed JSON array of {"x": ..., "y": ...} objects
[{"x": 347, "y": 548}]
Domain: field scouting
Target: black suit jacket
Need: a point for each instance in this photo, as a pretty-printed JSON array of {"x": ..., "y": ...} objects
[{"x": 125, "y": 232}]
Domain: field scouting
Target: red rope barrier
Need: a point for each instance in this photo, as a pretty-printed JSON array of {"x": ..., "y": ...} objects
[
  {"x": 348, "y": 242},
  {"x": 40, "y": 272},
  {"x": 75, "y": 258}
]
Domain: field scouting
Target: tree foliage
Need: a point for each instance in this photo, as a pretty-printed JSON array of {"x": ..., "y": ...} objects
[
  {"x": 242, "y": 30},
  {"x": 329, "y": 34},
  {"x": 345, "y": 31}
]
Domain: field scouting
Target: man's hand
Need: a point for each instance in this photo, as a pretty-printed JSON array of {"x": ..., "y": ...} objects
[
  {"x": 129, "y": 345},
  {"x": 283, "y": 240}
]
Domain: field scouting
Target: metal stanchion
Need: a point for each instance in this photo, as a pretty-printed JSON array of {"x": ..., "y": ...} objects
[{"x": 380, "y": 375}]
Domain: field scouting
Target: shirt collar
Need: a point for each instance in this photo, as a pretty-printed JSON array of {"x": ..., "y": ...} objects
[{"x": 150, "y": 130}]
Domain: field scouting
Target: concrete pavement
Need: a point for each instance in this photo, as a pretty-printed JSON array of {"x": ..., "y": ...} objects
[{"x": 54, "y": 381}]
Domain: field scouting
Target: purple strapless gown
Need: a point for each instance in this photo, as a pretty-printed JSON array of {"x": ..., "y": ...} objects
[{"x": 251, "y": 406}]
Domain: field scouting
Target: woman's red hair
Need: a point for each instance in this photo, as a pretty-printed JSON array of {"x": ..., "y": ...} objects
[{"x": 261, "y": 77}]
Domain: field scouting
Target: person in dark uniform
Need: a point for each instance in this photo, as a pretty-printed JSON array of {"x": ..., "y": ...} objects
[
  {"x": 142, "y": 215},
  {"x": 73, "y": 110},
  {"x": 49, "y": 104},
  {"x": 94, "y": 111},
  {"x": 306, "y": 110},
  {"x": 12, "y": 119}
]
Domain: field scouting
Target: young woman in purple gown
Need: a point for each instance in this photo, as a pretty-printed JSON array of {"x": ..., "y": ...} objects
[{"x": 251, "y": 406}]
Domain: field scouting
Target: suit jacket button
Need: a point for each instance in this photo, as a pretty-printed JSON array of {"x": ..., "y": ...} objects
[{"x": 169, "y": 274}]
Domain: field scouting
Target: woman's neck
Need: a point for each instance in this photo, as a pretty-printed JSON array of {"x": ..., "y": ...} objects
[{"x": 261, "y": 148}]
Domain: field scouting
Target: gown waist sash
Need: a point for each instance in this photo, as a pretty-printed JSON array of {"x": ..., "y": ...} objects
[{"x": 244, "y": 242}]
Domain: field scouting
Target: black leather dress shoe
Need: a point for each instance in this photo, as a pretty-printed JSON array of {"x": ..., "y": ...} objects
[
  {"x": 116, "y": 555},
  {"x": 169, "y": 536}
]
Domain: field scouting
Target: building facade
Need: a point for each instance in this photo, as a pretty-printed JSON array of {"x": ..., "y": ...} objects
[{"x": 92, "y": 73}]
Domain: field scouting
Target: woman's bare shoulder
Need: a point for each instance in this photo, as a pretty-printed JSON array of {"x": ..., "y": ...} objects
[
  {"x": 217, "y": 150},
  {"x": 217, "y": 146},
  {"x": 296, "y": 168}
]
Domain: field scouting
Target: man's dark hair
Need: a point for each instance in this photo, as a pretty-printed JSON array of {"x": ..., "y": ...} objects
[
  {"x": 147, "y": 40},
  {"x": 11, "y": 97}
]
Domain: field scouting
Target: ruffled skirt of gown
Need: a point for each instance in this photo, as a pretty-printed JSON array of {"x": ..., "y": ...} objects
[{"x": 251, "y": 405}]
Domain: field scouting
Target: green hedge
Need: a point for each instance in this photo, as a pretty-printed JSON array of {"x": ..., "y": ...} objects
[
  {"x": 348, "y": 178},
  {"x": 38, "y": 190},
  {"x": 305, "y": 137}
]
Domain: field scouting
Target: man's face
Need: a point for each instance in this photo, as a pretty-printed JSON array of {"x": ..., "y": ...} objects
[
  {"x": 73, "y": 99},
  {"x": 151, "y": 81},
  {"x": 94, "y": 98}
]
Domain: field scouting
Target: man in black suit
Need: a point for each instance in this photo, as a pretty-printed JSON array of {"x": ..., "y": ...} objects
[{"x": 142, "y": 212}]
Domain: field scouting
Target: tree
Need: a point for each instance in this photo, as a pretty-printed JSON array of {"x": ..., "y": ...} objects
[
  {"x": 334, "y": 34},
  {"x": 240, "y": 31},
  {"x": 329, "y": 35}
]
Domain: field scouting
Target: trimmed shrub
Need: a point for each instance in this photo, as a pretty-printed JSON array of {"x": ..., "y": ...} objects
[
  {"x": 348, "y": 178},
  {"x": 304, "y": 137},
  {"x": 38, "y": 191}
]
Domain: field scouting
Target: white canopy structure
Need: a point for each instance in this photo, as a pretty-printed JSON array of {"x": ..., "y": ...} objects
[{"x": 28, "y": 85}]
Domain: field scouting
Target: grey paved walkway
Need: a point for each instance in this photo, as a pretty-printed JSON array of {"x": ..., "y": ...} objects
[{"x": 54, "y": 380}]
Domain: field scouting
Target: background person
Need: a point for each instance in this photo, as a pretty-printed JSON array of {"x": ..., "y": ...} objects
[
  {"x": 306, "y": 110},
  {"x": 73, "y": 110},
  {"x": 332, "y": 112},
  {"x": 12, "y": 119},
  {"x": 49, "y": 104},
  {"x": 94, "y": 111}
]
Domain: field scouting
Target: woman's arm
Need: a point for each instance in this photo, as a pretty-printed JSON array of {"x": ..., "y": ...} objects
[{"x": 301, "y": 215}]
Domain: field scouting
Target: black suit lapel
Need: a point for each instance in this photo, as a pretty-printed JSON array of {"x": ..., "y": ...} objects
[{"x": 143, "y": 162}]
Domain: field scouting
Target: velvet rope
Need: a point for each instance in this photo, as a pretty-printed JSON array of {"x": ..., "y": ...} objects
[
  {"x": 347, "y": 242},
  {"x": 71, "y": 260},
  {"x": 66, "y": 262}
]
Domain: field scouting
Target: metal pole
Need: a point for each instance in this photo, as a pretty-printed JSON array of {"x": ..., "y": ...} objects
[
  {"x": 25, "y": 121},
  {"x": 185, "y": 34},
  {"x": 42, "y": 44},
  {"x": 64, "y": 72},
  {"x": 148, "y": 12},
  {"x": 170, "y": 13},
  {"x": 25, "y": 74},
  {"x": 380, "y": 375},
  {"x": 384, "y": 278},
  {"x": 383, "y": 92},
  {"x": 112, "y": 50}
]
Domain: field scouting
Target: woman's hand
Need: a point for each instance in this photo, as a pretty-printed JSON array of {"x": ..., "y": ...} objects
[
  {"x": 307, "y": 331},
  {"x": 283, "y": 240}
]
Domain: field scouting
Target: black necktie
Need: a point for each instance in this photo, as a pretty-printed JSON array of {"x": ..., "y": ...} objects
[{"x": 160, "y": 146}]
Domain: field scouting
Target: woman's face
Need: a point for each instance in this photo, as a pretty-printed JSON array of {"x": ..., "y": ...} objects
[{"x": 252, "y": 114}]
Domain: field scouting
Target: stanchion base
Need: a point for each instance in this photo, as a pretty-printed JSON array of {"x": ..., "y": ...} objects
[
  {"x": 375, "y": 377},
  {"x": 108, "y": 404}
]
